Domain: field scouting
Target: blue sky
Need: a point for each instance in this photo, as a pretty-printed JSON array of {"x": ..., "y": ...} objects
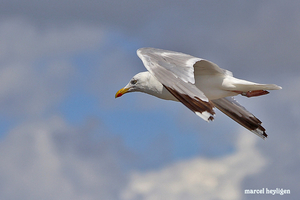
[{"x": 65, "y": 136}]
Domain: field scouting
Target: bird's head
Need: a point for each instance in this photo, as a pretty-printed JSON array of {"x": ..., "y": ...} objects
[{"x": 139, "y": 83}]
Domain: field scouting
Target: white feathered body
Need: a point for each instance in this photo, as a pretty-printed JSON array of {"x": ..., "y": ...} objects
[{"x": 214, "y": 87}]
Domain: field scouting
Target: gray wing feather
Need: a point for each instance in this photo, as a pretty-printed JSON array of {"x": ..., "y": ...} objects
[
  {"x": 179, "y": 64},
  {"x": 176, "y": 72},
  {"x": 172, "y": 70},
  {"x": 205, "y": 67}
]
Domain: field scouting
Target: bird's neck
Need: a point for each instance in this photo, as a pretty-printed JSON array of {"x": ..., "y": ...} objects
[{"x": 155, "y": 88}]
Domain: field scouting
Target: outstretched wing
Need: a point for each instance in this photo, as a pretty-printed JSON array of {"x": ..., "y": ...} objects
[
  {"x": 230, "y": 107},
  {"x": 176, "y": 72}
]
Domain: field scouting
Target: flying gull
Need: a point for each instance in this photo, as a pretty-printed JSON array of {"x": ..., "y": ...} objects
[{"x": 199, "y": 84}]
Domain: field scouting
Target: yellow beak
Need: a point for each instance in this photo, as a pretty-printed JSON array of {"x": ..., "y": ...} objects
[{"x": 121, "y": 92}]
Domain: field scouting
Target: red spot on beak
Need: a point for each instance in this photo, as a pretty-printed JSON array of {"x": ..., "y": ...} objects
[{"x": 121, "y": 92}]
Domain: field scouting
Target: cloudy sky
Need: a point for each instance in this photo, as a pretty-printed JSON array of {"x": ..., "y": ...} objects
[{"x": 63, "y": 135}]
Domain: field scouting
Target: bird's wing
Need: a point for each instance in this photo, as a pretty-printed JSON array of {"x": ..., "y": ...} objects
[
  {"x": 205, "y": 67},
  {"x": 176, "y": 72},
  {"x": 230, "y": 107}
]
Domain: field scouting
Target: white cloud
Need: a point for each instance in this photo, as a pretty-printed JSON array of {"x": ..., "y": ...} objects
[
  {"x": 197, "y": 178},
  {"x": 42, "y": 156},
  {"x": 48, "y": 159}
]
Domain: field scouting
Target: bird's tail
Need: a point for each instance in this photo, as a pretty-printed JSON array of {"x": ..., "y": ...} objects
[
  {"x": 251, "y": 89},
  {"x": 249, "y": 86},
  {"x": 230, "y": 107}
]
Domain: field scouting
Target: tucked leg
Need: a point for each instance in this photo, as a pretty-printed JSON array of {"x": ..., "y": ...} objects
[{"x": 253, "y": 93}]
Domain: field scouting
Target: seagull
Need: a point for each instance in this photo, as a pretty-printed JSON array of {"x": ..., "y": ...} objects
[{"x": 199, "y": 84}]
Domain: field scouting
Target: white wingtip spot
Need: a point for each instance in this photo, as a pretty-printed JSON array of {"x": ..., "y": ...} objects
[
  {"x": 204, "y": 115},
  {"x": 260, "y": 133}
]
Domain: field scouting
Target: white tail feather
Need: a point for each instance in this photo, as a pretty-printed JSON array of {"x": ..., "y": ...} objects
[{"x": 249, "y": 86}]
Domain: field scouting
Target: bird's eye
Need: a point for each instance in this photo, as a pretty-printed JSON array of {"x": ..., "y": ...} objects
[{"x": 133, "y": 82}]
